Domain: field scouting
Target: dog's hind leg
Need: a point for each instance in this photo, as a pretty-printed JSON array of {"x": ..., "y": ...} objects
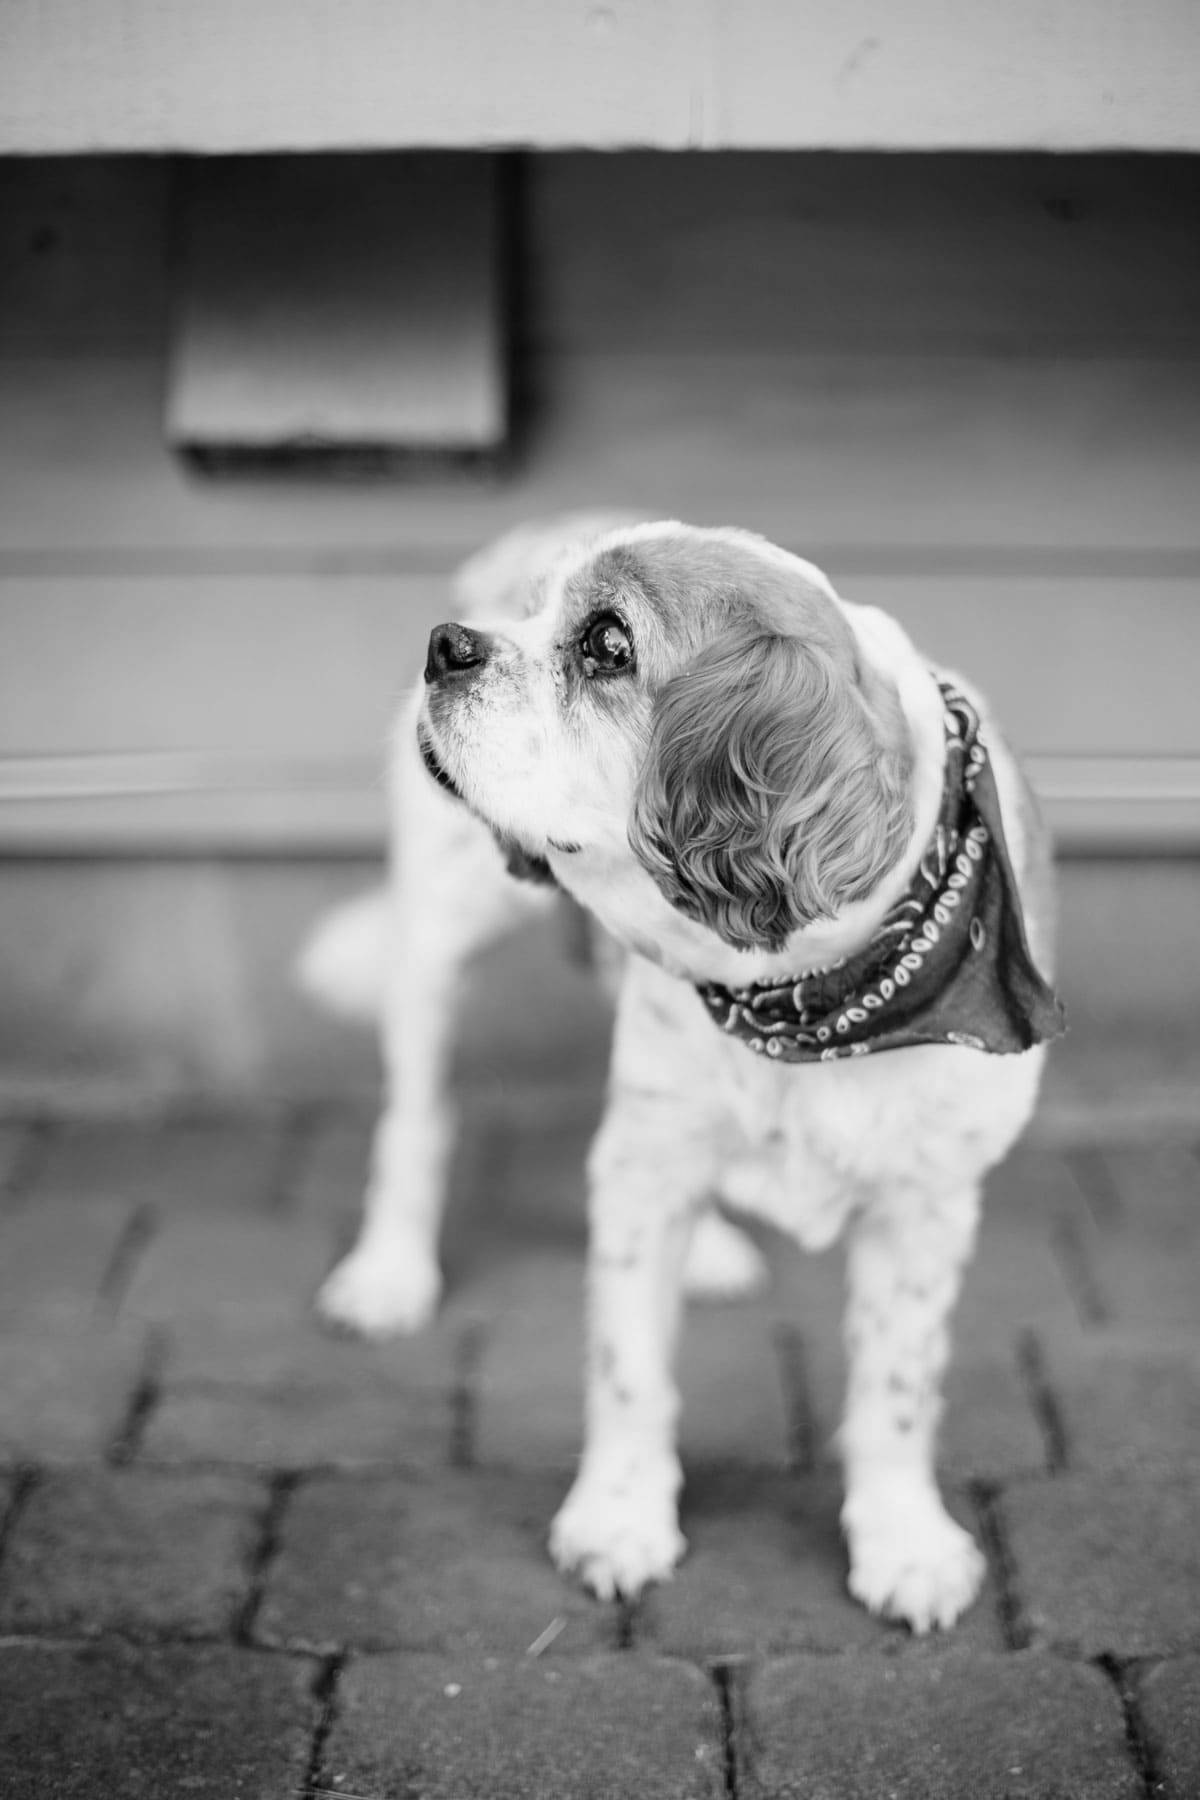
[{"x": 449, "y": 895}]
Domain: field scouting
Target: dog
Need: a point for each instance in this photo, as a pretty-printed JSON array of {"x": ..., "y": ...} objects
[{"x": 833, "y": 896}]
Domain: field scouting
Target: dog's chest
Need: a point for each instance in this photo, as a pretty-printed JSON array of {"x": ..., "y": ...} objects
[
  {"x": 797, "y": 1148},
  {"x": 803, "y": 1146}
]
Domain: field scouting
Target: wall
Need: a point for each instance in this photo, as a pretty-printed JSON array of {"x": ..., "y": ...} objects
[
  {"x": 969, "y": 386},
  {"x": 694, "y": 74}
]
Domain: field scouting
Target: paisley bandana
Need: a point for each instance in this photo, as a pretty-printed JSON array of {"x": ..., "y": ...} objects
[{"x": 950, "y": 963}]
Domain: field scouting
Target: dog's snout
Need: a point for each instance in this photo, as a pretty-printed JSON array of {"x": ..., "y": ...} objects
[{"x": 453, "y": 649}]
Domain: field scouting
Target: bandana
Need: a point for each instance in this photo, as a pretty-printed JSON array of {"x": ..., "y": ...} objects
[{"x": 950, "y": 963}]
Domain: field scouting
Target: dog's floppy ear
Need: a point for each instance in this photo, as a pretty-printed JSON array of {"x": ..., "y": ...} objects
[{"x": 775, "y": 790}]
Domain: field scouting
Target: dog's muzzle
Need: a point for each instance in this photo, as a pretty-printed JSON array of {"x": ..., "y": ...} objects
[
  {"x": 434, "y": 763},
  {"x": 454, "y": 651}
]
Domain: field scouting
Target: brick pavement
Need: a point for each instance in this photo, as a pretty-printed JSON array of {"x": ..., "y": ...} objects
[{"x": 238, "y": 1556}]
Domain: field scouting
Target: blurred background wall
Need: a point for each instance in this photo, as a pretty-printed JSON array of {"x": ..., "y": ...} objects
[{"x": 299, "y": 306}]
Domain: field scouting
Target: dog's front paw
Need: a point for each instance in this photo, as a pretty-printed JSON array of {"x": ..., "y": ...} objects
[
  {"x": 617, "y": 1534},
  {"x": 381, "y": 1291},
  {"x": 909, "y": 1560}
]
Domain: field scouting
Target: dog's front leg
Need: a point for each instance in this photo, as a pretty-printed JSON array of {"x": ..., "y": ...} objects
[
  {"x": 618, "y": 1528},
  {"x": 449, "y": 895},
  {"x": 908, "y": 1558}
]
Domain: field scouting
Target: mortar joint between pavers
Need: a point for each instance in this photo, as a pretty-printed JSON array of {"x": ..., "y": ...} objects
[
  {"x": 985, "y": 1497},
  {"x": 157, "y": 1637},
  {"x": 265, "y": 1548},
  {"x": 25, "y": 1479},
  {"x": 1033, "y": 1372},
  {"x": 135, "y": 1239},
  {"x": 1069, "y": 1241},
  {"x": 147, "y": 1392},
  {"x": 726, "y": 1675},
  {"x": 1094, "y": 1178},
  {"x": 1123, "y": 1674},
  {"x": 629, "y": 1617},
  {"x": 324, "y": 1693}
]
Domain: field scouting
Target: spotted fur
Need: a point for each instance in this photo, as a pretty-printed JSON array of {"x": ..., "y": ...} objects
[{"x": 610, "y": 786}]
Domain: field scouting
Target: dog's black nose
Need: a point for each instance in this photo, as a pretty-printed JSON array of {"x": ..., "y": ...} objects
[{"x": 452, "y": 649}]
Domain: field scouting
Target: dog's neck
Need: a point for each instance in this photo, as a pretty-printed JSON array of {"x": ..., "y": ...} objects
[{"x": 624, "y": 898}]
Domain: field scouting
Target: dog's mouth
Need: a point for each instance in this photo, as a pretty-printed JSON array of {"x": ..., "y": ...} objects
[
  {"x": 525, "y": 865},
  {"x": 434, "y": 764}
]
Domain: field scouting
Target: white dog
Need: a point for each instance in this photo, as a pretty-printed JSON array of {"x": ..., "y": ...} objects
[{"x": 833, "y": 882}]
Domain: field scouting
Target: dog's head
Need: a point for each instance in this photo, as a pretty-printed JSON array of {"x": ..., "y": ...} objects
[{"x": 695, "y": 701}]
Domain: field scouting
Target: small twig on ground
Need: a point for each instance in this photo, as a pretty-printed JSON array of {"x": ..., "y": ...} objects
[{"x": 544, "y": 1639}]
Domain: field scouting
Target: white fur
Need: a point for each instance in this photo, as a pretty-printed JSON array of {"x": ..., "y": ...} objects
[
  {"x": 890, "y": 1149},
  {"x": 343, "y": 961}
]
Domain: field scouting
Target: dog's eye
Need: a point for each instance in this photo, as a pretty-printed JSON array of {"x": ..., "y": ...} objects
[{"x": 606, "y": 646}]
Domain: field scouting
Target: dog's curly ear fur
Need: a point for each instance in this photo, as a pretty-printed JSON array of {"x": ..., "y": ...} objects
[{"x": 775, "y": 790}]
